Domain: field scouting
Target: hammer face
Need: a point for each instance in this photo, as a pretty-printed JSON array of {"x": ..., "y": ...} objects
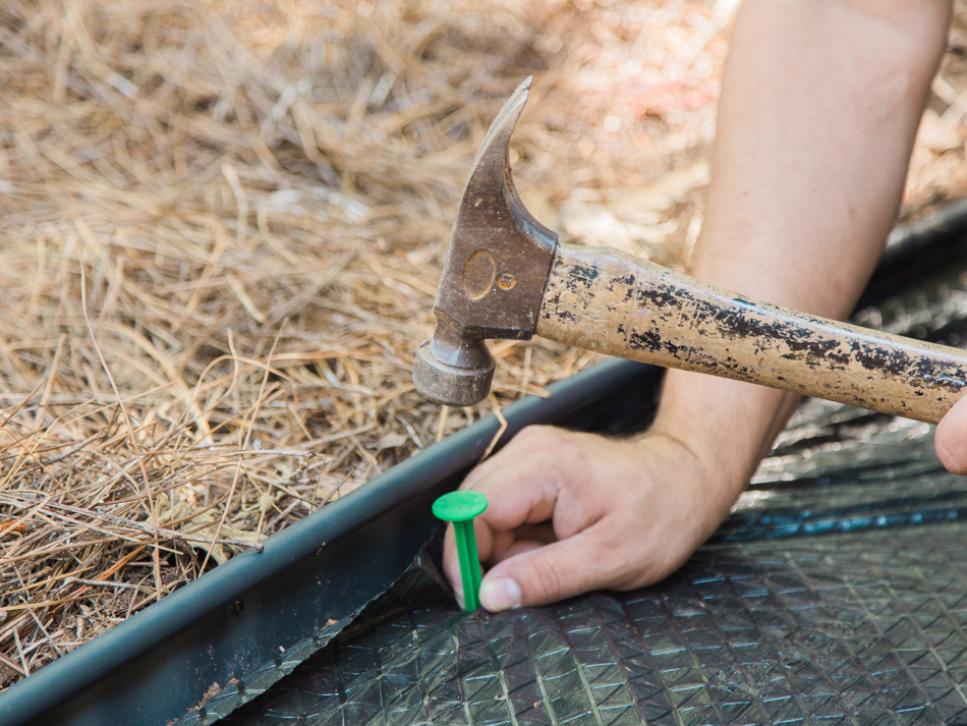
[
  {"x": 452, "y": 385},
  {"x": 452, "y": 368}
]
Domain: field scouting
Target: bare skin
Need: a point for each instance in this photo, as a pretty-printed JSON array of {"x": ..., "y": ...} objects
[{"x": 819, "y": 110}]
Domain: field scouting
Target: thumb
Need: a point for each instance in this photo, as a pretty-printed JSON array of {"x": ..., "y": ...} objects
[
  {"x": 545, "y": 574},
  {"x": 950, "y": 441}
]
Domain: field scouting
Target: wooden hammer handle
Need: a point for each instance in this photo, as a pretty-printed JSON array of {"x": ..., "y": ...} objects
[{"x": 609, "y": 302}]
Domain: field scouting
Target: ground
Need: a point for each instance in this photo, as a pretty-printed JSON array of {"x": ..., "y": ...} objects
[{"x": 221, "y": 226}]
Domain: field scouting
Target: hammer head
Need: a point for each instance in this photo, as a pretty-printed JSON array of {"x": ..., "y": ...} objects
[{"x": 494, "y": 275}]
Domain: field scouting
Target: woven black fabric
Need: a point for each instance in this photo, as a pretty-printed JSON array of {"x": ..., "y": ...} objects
[
  {"x": 865, "y": 621},
  {"x": 835, "y": 593}
]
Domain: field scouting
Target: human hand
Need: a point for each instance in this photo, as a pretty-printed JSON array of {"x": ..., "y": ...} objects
[
  {"x": 573, "y": 512},
  {"x": 950, "y": 440}
]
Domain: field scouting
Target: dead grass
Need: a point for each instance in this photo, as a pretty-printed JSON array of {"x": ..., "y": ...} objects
[{"x": 220, "y": 230}]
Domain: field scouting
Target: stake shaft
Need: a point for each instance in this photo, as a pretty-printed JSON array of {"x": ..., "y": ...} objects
[
  {"x": 469, "y": 564},
  {"x": 459, "y": 508}
]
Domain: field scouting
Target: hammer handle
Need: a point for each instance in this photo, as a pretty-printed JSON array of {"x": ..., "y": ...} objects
[{"x": 606, "y": 301}]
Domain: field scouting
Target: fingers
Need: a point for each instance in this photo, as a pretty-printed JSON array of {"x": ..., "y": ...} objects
[
  {"x": 950, "y": 441},
  {"x": 520, "y": 485},
  {"x": 544, "y": 574},
  {"x": 519, "y": 547},
  {"x": 507, "y": 544},
  {"x": 520, "y": 482},
  {"x": 510, "y": 513}
]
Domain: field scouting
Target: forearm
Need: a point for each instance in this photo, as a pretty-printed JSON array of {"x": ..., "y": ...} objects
[{"x": 819, "y": 109}]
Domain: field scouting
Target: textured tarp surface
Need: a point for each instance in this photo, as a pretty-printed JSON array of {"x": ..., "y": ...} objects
[
  {"x": 838, "y": 592},
  {"x": 835, "y": 593}
]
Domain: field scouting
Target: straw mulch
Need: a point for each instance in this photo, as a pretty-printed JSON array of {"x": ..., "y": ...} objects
[{"x": 220, "y": 230}]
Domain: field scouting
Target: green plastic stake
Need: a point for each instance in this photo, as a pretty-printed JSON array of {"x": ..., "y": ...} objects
[{"x": 460, "y": 508}]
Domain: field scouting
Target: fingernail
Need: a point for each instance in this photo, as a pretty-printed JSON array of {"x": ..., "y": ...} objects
[
  {"x": 500, "y": 593},
  {"x": 458, "y": 594}
]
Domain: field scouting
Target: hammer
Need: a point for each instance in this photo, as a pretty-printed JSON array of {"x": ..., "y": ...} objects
[{"x": 507, "y": 276}]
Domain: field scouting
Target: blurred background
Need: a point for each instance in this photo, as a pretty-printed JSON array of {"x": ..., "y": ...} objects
[{"x": 221, "y": 226}]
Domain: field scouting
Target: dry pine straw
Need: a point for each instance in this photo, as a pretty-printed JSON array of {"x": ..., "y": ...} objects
[{"x": 220, "y": 230}]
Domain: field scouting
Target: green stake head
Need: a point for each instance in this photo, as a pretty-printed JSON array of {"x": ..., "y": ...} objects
[{"x": 460, "y": 508}]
